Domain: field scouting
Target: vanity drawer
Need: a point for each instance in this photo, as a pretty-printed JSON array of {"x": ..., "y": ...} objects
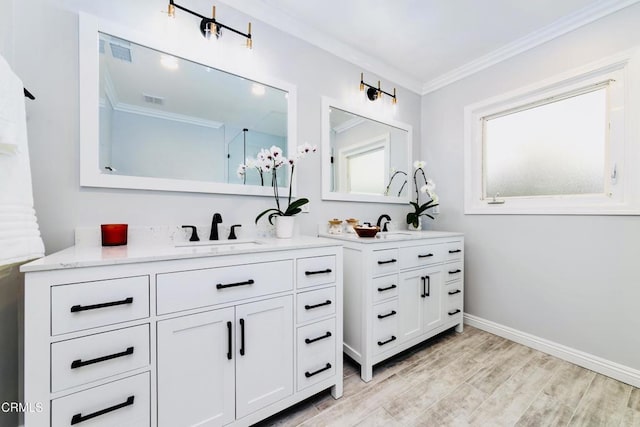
[
  {"x": 384, "y": 288},
  {"x": 116, "y": 404},
  {"x": 316, "y": 271},
  {"x": 455, "y": 300},
  {"x": 82, "y": 360},
  {"x": 384, "y": 262},
  {"x": 385, "y": 326},
  {"x": 419, "y": 256},
  {"x": 316, "y": 352},
  {"x": 79, "y": 306},
  {"x": 453, "y": 271},
  {"x": 454, "y": 251},
  {"x": 316, "y": 304},
  {"x": 184, "y": 290}
]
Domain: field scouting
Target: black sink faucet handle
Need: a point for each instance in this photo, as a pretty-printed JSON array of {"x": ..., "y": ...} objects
[
  {"x": 194, "y": 233},
  {"x": 232, "y": 234}
]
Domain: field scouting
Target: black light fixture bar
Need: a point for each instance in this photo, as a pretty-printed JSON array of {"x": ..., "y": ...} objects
[
  {"x": 208, "y": 23},
  {"x": 374, "y": 93}
]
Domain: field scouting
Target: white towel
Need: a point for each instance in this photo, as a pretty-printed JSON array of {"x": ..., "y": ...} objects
[{"x": 19, "y": 233}]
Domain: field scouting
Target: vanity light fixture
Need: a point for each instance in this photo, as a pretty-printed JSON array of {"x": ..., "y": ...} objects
[
  {"x": 209, "y": 26},
  {"x": 374, "y": 93}
]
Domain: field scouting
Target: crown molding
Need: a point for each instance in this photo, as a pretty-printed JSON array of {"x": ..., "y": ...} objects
[
  {"x": 556, "y": 29},
  {"x": 284, "y": 22},
  {"x": 150, "y": 112}
]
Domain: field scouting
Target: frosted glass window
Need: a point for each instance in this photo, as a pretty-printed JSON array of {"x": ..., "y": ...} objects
[
  {"x": 557, "y": 148},
  {"x": 366, "y": 171}
]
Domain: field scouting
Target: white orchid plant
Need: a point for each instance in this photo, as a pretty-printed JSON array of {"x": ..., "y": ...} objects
[
  {"x": 428, "y": 188},
  {"x": 271, "y": 161}
]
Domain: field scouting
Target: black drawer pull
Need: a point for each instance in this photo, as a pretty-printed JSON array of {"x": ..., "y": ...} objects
[
  {"x": 425, "y": 256},
  {"x": 229, "y": 341},
  {"x": 456, "y": 311},
  {"x": 241, "y": 337},
  {"x": 457, "y": 291},
  {"x": 393, "y": 338},
  {"x": 310, "y": 340},
  {"x": 310, "y": 374},
  {"x": 311, "y": 273},
  {"x": 382, "y": 316},
  {"x": 78, "y": 418},
  {"x": 389, "y": 261},
  {"x": 76, "y": 308},
  {"x": 79, "y": 363},
  {"x": 426, "y": 286},
  {"x": 455, "y": 271},
  {"x": 231, "y": 285},
  {"x": 387, "y": 288},
  {"x": 309, "y": 307},
  {"x": 455, "y": 251}
]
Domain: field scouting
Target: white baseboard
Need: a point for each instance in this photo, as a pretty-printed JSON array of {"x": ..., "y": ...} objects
[{"x": 597, "y": 364}]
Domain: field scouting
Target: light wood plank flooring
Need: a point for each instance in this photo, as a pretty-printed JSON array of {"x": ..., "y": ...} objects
[{"x": 470, "y": 379}]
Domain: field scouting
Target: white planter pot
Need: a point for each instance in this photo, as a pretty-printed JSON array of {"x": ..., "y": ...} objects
[
  {"x": 284, "y": 226},
  {"x": 410, "y": 227}
]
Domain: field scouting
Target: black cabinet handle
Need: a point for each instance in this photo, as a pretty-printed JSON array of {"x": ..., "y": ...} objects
[
  {"x": 457, "y": 291},
  {"x": 79, "y": 363},
  {"x": 310, "y": 307},
  {"x": 387, "y": 288},
  {"x": 311, "y": 273},
  {"x": 426, "y": 286},
  {"x": 76, "y": 308},
  {"x": 390, "y": 261},
  {"x": 455, "y": 251},
  {"x": 241, "y": 337},
  {"x": 310, "y": 340},
  {"x": 382, "y": 316},
  {"x": 456, "y": 311},
  {"x": 393, "y": 338},
  {"x": 310, "y": 374},
  {"x": 455, "y": 271},
  {"x": 231, "y": 285},
  {"x": 229, "y": 342},
  {"x": 78, "y": 418},
  {"x": 425, "y": 256}
]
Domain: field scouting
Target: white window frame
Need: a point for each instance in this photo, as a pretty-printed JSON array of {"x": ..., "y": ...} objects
[{"x": 622, "y": 162}]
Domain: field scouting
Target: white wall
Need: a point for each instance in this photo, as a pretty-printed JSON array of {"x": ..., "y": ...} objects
[
  {"x": 49, "y": 27},
  {"x": 572, "y": 280}
]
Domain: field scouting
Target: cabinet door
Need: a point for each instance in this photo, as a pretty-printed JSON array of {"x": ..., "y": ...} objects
[
  {"x": 264, "y": 355},
  {"x": 431, "y": 296},
  {"x": 196, "y": 370},
  {"x": 410, "y": 304}
]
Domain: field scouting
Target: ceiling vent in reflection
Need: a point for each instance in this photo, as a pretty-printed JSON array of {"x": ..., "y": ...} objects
[
  {"x": 120, "y": 51},
  {"x": 157, "y": 100}
]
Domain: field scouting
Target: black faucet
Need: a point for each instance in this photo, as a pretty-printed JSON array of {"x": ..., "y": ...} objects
[
  {"x": 379, "y": 223},
  {"x": 217, "y": 219}
]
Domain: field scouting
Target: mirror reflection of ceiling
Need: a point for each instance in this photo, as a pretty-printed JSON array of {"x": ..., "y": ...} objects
[{"x": 145, "y": 79}]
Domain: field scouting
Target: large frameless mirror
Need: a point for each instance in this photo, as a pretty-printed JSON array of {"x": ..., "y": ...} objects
[
  {"x": 155, "y": 119},
  {"x": 364, "y": 159}
]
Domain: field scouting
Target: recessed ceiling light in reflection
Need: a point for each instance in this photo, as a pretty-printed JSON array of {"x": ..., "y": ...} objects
[
  {"x": 169, "y": 62},
  {"x": 257, "y": 89}
]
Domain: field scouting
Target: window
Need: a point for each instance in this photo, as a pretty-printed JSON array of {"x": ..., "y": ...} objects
[{"x": 559, "y": 147}]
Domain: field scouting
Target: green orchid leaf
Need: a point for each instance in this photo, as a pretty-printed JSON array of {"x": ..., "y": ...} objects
[
  {"x": 274, "y": 210},
  {"x": 296, "y": 205}
]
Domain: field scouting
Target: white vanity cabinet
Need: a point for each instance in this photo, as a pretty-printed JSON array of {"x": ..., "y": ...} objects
[
  {"x": 400, "y": 289},
  {"x": 180, "y": 337}
]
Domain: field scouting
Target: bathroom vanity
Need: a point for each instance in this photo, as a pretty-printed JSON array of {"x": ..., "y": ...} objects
[
  {"x": 181, "y": 336},
  {"x": 400, "y": 289}
]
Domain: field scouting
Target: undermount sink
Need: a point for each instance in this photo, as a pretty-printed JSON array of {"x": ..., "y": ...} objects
[
  {"x": 392, "y": 235},
  {"x": 220, "y": 244}
]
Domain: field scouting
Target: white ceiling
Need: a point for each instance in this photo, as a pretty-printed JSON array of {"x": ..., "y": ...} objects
[{"x": 426, "y": 44}]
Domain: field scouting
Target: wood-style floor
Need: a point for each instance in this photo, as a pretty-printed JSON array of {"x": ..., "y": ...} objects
[{"x": 470, "y": 379}]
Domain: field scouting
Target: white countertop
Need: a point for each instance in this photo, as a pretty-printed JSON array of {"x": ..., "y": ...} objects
[
  {"x": 392, "y": 236},
  {"x": 91, "y": 256}
]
